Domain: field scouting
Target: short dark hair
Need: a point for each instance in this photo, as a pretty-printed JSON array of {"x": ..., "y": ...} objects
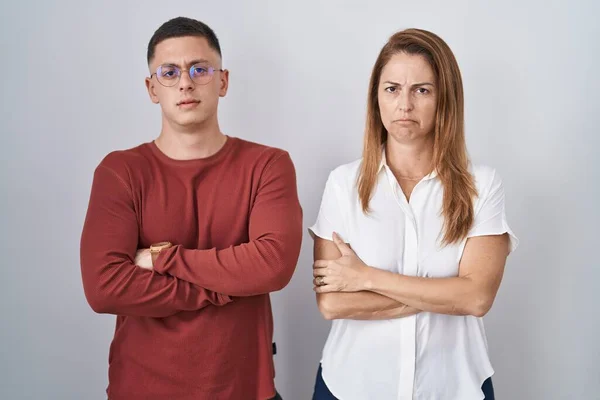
[{"x": 181, "y": 27}]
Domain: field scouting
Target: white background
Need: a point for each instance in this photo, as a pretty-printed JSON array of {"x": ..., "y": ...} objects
[{"x": 72, "y": 90}]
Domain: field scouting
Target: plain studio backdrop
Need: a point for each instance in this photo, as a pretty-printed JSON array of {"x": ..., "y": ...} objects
[{"x": 73, "y": 90}]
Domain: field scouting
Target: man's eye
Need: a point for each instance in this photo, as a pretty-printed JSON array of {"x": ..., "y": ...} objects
[
  {"x": 168, "y": 72},
  {"x": 199, "y": 71}
]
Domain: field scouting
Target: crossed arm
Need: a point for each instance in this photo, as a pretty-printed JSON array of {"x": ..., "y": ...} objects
[
  {"x": 183, "y": 279},
  {"x": 352, "y": 290},
  {"x": 362, "y": 305}
]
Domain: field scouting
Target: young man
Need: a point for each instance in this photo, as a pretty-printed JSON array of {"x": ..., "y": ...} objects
[{"x": 186, "y": 236}]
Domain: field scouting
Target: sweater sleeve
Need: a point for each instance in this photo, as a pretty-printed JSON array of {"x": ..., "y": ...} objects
[
  {"x": 266, "y": 263},
  {"x": 112, "y": 283}
]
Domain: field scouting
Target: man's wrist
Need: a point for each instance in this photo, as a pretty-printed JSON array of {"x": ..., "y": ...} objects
[{"x": 155, "y": 250}]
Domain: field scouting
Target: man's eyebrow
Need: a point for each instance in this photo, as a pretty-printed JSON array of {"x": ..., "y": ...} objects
[{"x": 193, "y": 62}]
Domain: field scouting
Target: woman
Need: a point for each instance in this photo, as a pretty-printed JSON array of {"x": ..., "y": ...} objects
[{"x": 410, "y": 241}]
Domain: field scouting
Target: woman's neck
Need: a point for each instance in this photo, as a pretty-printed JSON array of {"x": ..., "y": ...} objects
[{"x": 411, "y": 160}]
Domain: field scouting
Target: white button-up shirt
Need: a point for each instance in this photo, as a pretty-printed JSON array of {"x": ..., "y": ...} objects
[{"x": 427, "y": 356}]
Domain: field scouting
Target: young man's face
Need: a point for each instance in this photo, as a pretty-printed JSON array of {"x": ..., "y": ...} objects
[{"x": 187, "y": 102}]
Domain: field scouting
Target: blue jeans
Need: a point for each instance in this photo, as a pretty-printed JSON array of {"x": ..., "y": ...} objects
[{"x": 322, "y": 391}]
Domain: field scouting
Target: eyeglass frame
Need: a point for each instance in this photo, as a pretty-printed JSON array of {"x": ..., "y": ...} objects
[{"x": 209, "y": 68}]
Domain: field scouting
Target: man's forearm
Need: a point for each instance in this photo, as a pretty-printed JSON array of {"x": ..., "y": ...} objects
[
  {"x": 361, "y": 306},
  {"x": 125, "y": 289},
  {"x": 249, "y": 269},
  {"x": 112, "y": 283}
]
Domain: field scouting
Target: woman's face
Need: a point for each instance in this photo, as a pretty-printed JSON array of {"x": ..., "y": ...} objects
[{"x": 407, "y": 97}]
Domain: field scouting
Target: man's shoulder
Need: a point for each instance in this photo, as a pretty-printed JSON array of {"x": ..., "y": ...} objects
[
  {"x": 254, "y": 152},
  {"x": 122, "y": 161}
]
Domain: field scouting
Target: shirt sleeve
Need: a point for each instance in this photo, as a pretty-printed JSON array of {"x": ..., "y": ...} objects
[
  {"x": 112, "y": 283},
  {"x": 490, "y": 217},
  {"x": 331, "y": 216}
]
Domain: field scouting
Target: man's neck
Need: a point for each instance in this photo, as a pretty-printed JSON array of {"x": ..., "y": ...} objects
[
  {"x": 190, "y": 144},
  {"x": 410, "y": 160}
]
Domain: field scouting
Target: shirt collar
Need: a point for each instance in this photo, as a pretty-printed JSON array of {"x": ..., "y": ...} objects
[{"x": 383, "y": 161}]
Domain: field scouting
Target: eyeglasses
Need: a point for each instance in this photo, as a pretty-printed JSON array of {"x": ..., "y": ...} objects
[{"x": 169, "y": 75}]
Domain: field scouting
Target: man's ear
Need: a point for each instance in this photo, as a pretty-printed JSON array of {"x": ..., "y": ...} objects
[
  {"x": 224, "y": 83},
  {"x": 151, "y": 91}
]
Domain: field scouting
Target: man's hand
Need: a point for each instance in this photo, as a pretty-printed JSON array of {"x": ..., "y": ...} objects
[
  {"x": 346, "y": 274},
  {"x": 143, "y": 259}
]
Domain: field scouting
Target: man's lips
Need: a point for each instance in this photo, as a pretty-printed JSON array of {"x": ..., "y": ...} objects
[{"x": 188, "y": 101}]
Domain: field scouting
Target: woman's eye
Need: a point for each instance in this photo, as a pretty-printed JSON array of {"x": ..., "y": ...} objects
[
  {"x": 390, "y": 89},
  {"x": 422, "y": 91}
]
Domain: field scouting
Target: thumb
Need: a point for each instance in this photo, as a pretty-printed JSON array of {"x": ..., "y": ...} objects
[{"x": 341, "y": 245}]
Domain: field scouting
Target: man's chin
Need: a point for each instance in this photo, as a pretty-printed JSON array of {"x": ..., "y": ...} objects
[
  {"x": 190, "y": 120},
  {"x": 193, "y": 122}
]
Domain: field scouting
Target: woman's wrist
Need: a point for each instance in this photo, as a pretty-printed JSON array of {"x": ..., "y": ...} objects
[{"x": 370, "y": 278}]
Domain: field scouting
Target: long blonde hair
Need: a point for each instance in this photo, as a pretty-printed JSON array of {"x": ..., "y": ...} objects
[{"x": 450, "y": 158}]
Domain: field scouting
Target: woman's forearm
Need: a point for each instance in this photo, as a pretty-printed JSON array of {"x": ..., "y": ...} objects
[
  {"x": 453, "y": 296},
  {"x": 361, "y": 306}
]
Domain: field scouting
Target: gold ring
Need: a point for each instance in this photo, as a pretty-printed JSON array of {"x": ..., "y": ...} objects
[{"x": 320, "y": 281}]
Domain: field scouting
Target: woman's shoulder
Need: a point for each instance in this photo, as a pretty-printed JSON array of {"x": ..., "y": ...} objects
[
  {"x": 346, "y": 174},
  {"x": 486, "y": 177},
  {"x": 482, "y": 171}
]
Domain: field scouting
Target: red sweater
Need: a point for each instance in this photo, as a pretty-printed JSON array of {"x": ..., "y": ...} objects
[{"x": 200, "y": 325}]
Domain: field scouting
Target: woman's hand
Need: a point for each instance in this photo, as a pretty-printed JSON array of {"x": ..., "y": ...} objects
[{"x": 345, "y": 274}]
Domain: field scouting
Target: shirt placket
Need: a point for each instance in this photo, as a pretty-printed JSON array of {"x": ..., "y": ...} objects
[{"x": 408, "y": 325}]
